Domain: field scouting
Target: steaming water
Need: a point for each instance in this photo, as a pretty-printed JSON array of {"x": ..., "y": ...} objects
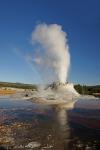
[
  {"x": 51, "y": 56},
  {"x": 52, "y": 128}
]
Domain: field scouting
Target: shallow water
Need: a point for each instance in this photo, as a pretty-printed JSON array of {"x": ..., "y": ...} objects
[{"x": 25, "y": 125}]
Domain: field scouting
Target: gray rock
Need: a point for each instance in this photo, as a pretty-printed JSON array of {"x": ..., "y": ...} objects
[{"x": 33, "y": 145}]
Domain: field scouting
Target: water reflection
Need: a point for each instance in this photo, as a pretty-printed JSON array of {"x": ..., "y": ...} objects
[
  {"x": 49, "y": 126},
  {"x": 61, "y": 117},
  {"x": 73, "y": 135},
  {"x": 64, "y": 131}
]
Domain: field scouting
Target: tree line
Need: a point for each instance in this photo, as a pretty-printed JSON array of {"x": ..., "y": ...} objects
[
  {"x": 87, "y": 90},
  {"x": 18, "y": 85}
]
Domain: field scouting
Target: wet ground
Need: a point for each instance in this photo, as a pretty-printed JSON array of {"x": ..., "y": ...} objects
[{"x": 27, "y": 126}]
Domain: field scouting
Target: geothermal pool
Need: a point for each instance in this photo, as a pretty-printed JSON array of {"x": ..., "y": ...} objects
[{"x": 26, "y": 126}]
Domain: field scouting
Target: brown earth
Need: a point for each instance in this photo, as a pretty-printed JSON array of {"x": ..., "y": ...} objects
[{"x": 7, "y": 92}]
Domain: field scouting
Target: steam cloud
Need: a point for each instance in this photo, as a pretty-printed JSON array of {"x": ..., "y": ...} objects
[{"x": 52, "y": 56}]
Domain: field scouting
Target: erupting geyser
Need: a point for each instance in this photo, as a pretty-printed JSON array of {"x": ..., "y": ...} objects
[{"x": 52, "y": 58}]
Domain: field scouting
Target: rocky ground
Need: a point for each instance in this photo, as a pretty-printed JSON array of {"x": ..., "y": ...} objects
[{"x": 17, "y": 136}]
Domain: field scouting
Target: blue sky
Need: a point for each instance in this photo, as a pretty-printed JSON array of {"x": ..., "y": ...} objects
[{"x": 80, "y": 19}]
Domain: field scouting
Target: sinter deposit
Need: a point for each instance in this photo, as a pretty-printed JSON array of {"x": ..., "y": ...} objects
[{"x": 57, "y": 91}]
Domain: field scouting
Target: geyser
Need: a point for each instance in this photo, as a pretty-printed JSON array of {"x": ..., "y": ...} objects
[{"x": 52, "y": 58}]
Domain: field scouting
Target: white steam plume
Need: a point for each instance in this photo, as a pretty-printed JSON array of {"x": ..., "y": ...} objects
[{"x": 52, "y": 57}]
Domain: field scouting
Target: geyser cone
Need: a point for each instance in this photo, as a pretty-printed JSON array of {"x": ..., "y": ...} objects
[{"x": 62, "y": 88}]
